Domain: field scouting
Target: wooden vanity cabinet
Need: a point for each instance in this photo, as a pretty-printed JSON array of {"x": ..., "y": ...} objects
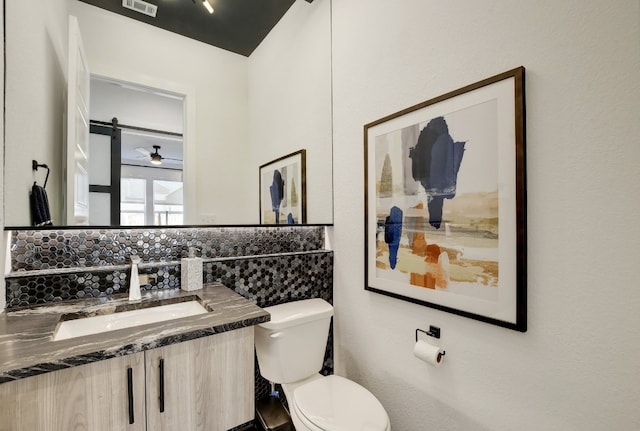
[
  {"x": 202, "y": 384},
  {"x": 87, "y": 397},
  {"x": 208, "y": 383}
]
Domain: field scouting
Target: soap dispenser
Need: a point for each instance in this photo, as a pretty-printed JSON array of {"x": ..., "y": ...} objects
[{"x": 191, "y": 271}]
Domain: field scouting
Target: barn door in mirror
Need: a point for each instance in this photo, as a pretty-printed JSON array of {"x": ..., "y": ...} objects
[{"x": 104, "y": 174}]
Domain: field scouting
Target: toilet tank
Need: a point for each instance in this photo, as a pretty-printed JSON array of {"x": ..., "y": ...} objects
[{"x": 291, "y": 346}]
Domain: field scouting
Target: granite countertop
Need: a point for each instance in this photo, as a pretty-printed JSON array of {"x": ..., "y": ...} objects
[{"x": 26, "y": 335}]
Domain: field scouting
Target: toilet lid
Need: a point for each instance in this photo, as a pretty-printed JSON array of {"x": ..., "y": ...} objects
[{"x": 334, "y": 403}]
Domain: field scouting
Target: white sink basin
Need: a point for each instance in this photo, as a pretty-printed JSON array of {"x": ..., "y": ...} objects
[{"x": 126, "y": 319}]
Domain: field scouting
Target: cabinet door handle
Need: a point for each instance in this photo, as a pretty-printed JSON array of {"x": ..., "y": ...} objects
[
  {"x": 130, "y": 391},
  {"x": 161, "y": 395}
]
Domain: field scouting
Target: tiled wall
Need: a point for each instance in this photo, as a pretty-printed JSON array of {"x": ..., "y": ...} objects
[
  {"x": 268, "y": 265},
  {"x": 54, "y": 265}
]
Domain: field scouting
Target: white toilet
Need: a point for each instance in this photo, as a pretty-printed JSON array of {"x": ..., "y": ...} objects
[{"x": 290, "y": 350}]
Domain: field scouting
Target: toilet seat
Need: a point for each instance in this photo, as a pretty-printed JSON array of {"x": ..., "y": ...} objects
[{"x": 334, "y": 403}]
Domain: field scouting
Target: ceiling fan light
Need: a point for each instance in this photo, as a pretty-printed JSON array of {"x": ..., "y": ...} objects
[
  {"x": 156, "y": 159},
  {"x": 207, "y": 6}
]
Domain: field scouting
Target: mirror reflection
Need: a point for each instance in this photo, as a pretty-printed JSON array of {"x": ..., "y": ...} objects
[
  {"x": 145, "y": 185},
  {"x": 226, "y": 115}
]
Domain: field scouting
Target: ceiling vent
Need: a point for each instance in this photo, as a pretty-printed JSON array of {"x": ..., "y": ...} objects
[{"x": 141, "y": 6}]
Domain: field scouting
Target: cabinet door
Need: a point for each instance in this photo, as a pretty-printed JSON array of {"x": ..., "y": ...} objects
[
  {"x": 206, "y": 384},
  {"x": 90, "y": 397}
]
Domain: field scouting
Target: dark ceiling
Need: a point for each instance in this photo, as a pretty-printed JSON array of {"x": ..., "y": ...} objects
[{"x": 236, "y": 25}]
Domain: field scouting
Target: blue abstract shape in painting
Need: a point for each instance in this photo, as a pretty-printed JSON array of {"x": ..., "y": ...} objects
[
  {"x": 290, "y": 219},
  {"x": 277, "y": 193},
  {"x": 392, "y": 233},
  {"x": 435, "y": 162}
]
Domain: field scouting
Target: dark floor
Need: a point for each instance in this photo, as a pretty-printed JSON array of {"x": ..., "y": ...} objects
[
  {"x": 288, "y": 427},
  {"x": 271, "y": 415},
  {"x": 247, "y": 428}
]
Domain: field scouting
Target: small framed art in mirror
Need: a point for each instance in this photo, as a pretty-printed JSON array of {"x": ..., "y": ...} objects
[{"x": 283, "y": 190}]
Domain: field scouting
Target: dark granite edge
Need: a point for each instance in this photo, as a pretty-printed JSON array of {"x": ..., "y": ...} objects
[
  {"x": 128, "y": 349},
  {"x": 27, "y": 348}
]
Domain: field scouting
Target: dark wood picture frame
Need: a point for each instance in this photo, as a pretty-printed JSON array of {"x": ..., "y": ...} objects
[
  {"x": 445, "y": 202},
  {"x": 283, "y": 189}
]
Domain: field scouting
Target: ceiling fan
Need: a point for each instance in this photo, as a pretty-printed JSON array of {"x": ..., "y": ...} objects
[{"x": 156, "y": 158}]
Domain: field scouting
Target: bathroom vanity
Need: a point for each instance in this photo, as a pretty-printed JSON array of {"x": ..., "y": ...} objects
[{"x": 194, "y": 372}]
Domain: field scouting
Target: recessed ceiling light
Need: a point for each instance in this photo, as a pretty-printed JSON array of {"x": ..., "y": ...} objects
[{"x": 207, "y": 6}]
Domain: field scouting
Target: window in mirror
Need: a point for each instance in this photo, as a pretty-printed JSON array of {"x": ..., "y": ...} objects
[
  {"x": 133, "y": 201},
  {"x": 151, "y": 202},
  {"x": 167, "y": 202}
]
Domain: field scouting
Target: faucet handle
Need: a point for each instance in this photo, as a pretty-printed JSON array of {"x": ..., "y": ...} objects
[
  {"x": 192, "y": 252},
  {"x": 135, "y": 259}
]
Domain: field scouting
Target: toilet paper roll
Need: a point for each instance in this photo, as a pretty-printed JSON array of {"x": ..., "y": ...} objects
[{"x": 428, "y": 353}]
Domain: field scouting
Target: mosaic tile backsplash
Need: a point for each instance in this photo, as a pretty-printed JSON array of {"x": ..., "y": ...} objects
[
  {"x": 55, "y": 265},
  {"x": 268, "y": 265},
  {"x": 73, "y": 248}
]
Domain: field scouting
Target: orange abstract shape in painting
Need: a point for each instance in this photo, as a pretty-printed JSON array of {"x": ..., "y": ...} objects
[
  {"x": 430, "y": 280},
  {"x": 419, "y": 247},
  {"x": 423, "y": 280},
  {"x": 433, "y": 253}
]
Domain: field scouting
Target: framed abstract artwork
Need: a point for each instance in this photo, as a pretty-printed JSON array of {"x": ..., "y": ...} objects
[
  {"x": 445, "y": 202},
  {"x": 283, "y": 191}
]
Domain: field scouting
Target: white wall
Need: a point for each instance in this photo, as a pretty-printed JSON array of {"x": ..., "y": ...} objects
[
  {"x": 3, "y": 298},
  {"x": 35, "y": 104},
  {"x": 576, "y": 367},
  {"x": 290, "y": 101}
]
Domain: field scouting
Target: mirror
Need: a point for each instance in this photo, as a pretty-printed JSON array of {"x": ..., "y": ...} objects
[
  {"x": 238, "y": 112},
  {"x": 144, "y": 185}
]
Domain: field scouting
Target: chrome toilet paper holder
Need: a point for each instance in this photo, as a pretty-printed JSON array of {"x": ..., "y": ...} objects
[{"x": 434, "y": 332}]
